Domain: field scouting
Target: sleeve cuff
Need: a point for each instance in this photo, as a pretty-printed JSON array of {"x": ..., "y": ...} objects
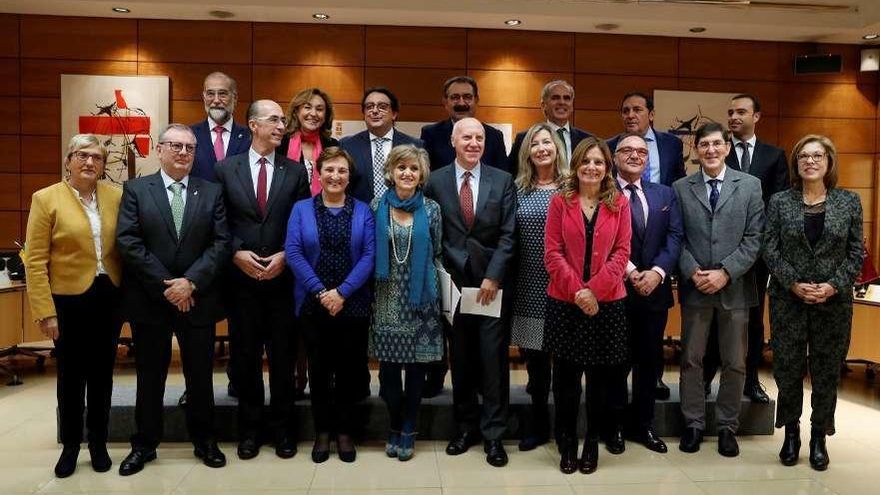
[{"x": 661, "y": 271}]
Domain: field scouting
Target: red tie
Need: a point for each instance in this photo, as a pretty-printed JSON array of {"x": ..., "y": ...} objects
[
  {"x": 219, "y": 153},
  {"x": 466, "y": 196},
  {"x": 261, "y": 187}
]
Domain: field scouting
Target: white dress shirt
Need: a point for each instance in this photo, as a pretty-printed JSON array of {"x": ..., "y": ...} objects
[
  {"x": 90, "y": 207},
  {"x": 227, "y": 133},
  {"x": 720, "y": 179},
  {"x": 475, "y": 181},
  {"x": 567, "y": 140},
  {"x": 739, "y": 151},
  {"x": 253, "y": 159},
  {"x": 167, "y": 180}
]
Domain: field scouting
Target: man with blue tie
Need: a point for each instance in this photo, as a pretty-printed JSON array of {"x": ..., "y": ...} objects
[
  {"x": 655, "y": 248},
  {"x": 218, "y": 136},
  {"x": 370, "y": 148}
]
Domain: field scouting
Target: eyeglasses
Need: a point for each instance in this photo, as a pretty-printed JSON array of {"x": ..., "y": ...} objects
[
  {"x": 642, "y": 152},
  {"x": 461, "y": 97},
  {"x": 805, "y": 157},
  {"x": 379, "y": 107},
  {"x": 274, "y": 120},
  {"x": 178, "y": 147},
  {"x": 84, "y": 157},
  {"x": 222, "y": 94},
  {"x": 705, "y": 145}
]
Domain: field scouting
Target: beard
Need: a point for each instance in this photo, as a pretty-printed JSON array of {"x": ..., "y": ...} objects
[{"x": 219, "y": 114}]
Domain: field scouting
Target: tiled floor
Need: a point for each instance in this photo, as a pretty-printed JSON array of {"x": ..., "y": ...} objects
[{"x": 28, "y": 451}]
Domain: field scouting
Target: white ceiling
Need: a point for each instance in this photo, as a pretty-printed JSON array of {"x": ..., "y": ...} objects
[{"x": 752, "y": 22}]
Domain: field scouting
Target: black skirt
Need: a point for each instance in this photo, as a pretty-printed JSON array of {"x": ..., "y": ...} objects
[{"x": 602, "y": 339}]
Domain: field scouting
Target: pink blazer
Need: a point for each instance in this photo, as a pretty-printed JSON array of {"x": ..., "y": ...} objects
[{"x": 565, "y": 242}]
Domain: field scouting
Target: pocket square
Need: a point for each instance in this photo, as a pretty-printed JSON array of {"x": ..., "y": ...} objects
[{"x": 665, "y": 208}]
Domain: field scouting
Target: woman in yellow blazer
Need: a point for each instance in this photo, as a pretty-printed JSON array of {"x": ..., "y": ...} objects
[{"x": 73, "y": 274}]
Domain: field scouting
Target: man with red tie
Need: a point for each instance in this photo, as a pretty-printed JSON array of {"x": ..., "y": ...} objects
[
  {"x": 218, "y": 136},
  {"x": 260, "y": 187}
]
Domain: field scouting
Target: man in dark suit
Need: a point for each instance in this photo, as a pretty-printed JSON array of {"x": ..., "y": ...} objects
[
  {"x": 656, "y": 245},
  {"x": 173, "y": 239},
  {"x": 665, "y": 159},
  {"x": 218, "y": 136},
  {"x": 370, "y": 148},
  {"x": 460, "y": 97},
  {"x": 478, "y": 204},
  {"x": 259, "y": 189},
  {"x": 767, "y": 163},
  {"x": 557, "y": 103}
]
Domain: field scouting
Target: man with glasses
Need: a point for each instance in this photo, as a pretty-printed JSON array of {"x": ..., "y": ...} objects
[
  {"x": 655, "y": 248},
  {"x": 218, "y": 136},
  {"x": 260, "y": 187},
  {"x": 723, "y": 215},
  {"x": 370, "y": 148},
  {"x": 172, "y": 236}
]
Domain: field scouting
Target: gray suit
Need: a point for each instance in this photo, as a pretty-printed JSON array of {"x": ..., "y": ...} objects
[{"x": 728, "y": 238}]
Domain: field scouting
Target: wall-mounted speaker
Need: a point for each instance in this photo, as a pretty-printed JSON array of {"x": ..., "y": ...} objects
[
  {"x": 870, "y": 60},
  {"x": 818, "y": 64}
]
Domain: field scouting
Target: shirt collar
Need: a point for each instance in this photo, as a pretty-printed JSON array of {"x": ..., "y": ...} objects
[
  {"x": 623, "y": 183},
  {"x": 168, "y": 180},
  {"x": 212, "y": 124},
  {"x": 254, "y": 157},
  {"x": 752, "y": 140},
  {"x": 388, "y": 135},
  {"x": 92, "y": 197},
  {"x": 650, "y": 136},
  {"x": 459, "y": 171},
  {"x": 720, "y": 177},
  {"x": 555, "y": 127}
]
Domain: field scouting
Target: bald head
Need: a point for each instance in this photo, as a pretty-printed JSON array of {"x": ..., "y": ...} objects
[
  {"x": 266, "y": 122},
  {"x": 469, "y": 140}
]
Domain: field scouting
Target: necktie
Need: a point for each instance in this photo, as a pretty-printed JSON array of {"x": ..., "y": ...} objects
[
  {"x": 745, "y": 160},
  {"x": 638, "y": 212},
  {"x": 177, "y": 205},
  {"x": 466, "y": 196},
  {"x": 219, "y": 153},
  {"x": 379, "y": 186},
  {"x": 261, "y": 187},
  {"x": 561, "y": 133},
  {"x": 713, "y": 194}
]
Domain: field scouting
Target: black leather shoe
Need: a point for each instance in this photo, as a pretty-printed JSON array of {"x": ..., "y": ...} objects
[
  {"x": 691, "y": 440},
  {"x": 568, "y": 463},
  {"x": 614, "y": 443},
  {"x": 707, "y": 388},
  {"x": 818, "y": 454},
  {"x": 210, "y": 454},
  {"x": 321, "y": 449},
  {"x": 231, "y": 390},
  {"x": 791, "y": 445},
  {"x": 661, "y": 392},
  {"x": 460, "y": 444},
  {"x": 532, "y": 442},
  {"x": 248, "y": 447},
  {"x": 101, "y": 461},
  {"x": 184, "y": 398},
  {"x": 431, "y": 390},
  {"x": 755, "y": 392},
  {"x": 727, "y": 445},
  {"x": 135, "y": 460},
  {"x": 589, "y": 457},
  {"x": 495, "y": 453},
  {"x": 66, "y": 464},
  {"x": 345, "y": 448},
  {"x": 285, "y": 448},
  {"x": 649, "y": 439}
]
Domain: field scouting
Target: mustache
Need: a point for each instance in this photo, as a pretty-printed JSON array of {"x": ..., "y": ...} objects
[{"x": 461, "y": 108}]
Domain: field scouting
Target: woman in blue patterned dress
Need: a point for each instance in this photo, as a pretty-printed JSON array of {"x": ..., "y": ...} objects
[
  {"x": 406, "y": 332},
  {"x": 541, "y": 167}
]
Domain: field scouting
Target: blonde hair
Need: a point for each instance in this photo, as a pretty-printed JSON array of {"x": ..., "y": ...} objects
[
  {"x": 571, "y": 184},
  {"x": 526, "y": 169},
  {"x": 403, "y": 153},
  {"x": 830, "y": 179},
  {"x": 300, "y": 99}
]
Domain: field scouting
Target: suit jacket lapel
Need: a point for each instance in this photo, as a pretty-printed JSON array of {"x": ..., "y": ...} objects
[
  {"x": 243, "y": 172},
  {"x": 277, "y": 183},
  {"x": 451, "y": 185},
  {"x": 192, "y": 203},
  {"x": 485, "y": 191},
  {"x": 698, "y": 188},
  {"x": 160, "y": 196},
  {"x": 235, "y": 140},
  {"x": 731, "y": 160},
  {"x": 366, "y": 158},
  {"x": 203, "y": 135},
  {"x": 728, "y": 186}
]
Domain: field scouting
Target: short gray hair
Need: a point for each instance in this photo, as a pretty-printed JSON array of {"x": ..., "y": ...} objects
[
  {"x": 81, "y": 141},
  {"x": 233, "y": 86},
  {"x": 175, "y": 126},
  {"x": 545, "y": 93}
]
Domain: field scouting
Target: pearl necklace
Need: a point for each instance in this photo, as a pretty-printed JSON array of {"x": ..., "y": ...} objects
[{"x": 394, "y": 244}]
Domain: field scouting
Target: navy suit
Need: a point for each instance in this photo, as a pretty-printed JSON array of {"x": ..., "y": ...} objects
[
  {"x": 358, "y": 146},
  {"x": 577, "y": 135},
  {"x": 671, "y": 156},
  {"x": 203, "y": 165},
  {"x": 659, "y": 245},
  {"x": 438, "y": 143}
]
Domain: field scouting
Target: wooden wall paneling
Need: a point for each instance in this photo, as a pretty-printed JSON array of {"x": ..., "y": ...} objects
[
  {"x": 856, "y": 171},
  {"x": 767, "y": 130},
  {"x": 513, "y": 89},
  {"x": 9, "y": 115},
  {"x": 194, "y": 41},
  {"x": 605, "y": 92},
  {"x": 728, "y": 59},
  {"x": 9, "y": 77},
  {"x": 626, "y": 55},
  {"x": 850, "y": 72},
  {"x": 848, "y": 135},
  {"x": 308, "y": 44},
  {"x": 828, "y": 100},
  {"x": 10, "y": 229},
  {"x": 416, "y": 47},
  {"x": 191, "y": 112},
  {"x": 187, "y": 80},
  {"x": 346, "y": 111},
  {"x": 10, "y": 154},
  {"x": 422, "y": 113},
  {"x": 80, "y": 38},
  {"x": 31, "y": 183},
  {"x": 603, "y": 123},
  {"x": 520, "y": 118},
  {"x": 411, "y": 86},
  {"x": 10, "y": 324},
  {"x": 43, "y": 154},
  {"x": 503, "y": 49},
  {"x": 343, "y": 84},
  {"x": 41, "y": 116},
  {"x": 42, "y": 77},
  {"x": 10, "y": 192},
  {"x": 767, "y": 92},
  {"x": 867, "y": 197},
  {"x": 9, "y": 35}
]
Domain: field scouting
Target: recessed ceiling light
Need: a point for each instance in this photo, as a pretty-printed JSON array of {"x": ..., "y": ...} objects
[
  {"x": 872, "y": 36},
  {"x": 513, "y": 22},
  {"x": 697, "y": 29},
  {"x": 121, "y": 10},
  {"x": 320, "y": 16}
]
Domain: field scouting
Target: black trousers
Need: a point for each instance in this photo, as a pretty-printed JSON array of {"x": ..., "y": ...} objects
[
  {"x": 262, "y": 318},
  {"x": 403, "y": 401},
  {"x": 646, "y": 333},
  {"x": 604, "y": 402},
  {"x": 478, "y": 351},
  {"x": 152, "y": 344},
  {"x": 88, "y": 328},
  {"x": 335, "y": 349},
  {"x": 539, "y": 369},
  {"x": 755, "y": 346}
]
